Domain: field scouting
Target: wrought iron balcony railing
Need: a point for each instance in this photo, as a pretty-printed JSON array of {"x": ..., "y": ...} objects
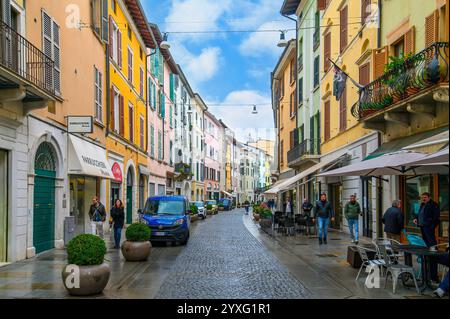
[
  {"x": 306, "y": 147},
  {"x": 25, "y": 60},
  {"x": 182, "y": 171},
  {"x": 419, "y": 72}
]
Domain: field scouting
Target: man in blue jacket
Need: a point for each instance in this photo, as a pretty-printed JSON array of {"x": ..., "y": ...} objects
[
  {"x": 324, "y": 212},
  {"x": 428, "y": 219}
]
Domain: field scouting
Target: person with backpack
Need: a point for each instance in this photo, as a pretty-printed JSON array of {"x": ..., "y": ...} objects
[{"x": 97, "y": 215}]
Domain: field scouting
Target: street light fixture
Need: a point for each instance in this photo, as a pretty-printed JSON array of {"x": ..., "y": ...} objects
[
  {"x": 282, "y": 43},
  {"x": 165, "y": 45},
  {"x": 255, "y": 111}
]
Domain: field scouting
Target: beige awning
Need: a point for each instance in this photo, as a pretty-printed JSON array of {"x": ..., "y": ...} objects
[
  {"x": 431, "y": 144},
  {"x": 438, "y": 158},
  {"x": 334, "y": 158}
]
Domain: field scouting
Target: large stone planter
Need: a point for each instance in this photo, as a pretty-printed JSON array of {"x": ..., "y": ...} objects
[
  {"x": 194, "y": 218},
  {"x": 136, "y": 250},
  {"x": 256, "y": 217},
  {"x": 92, "y": 279},
  {"x": 265, "y": 223}
]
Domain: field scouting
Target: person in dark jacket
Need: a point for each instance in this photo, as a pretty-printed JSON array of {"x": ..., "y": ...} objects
[
  {"x": 118, "y": 216},
  {"x": 97, "y": 214},
  {"x": 307, "y": 207},
  {"x": 393, "y": 220},
  {"x": 428, "y": 219},
  {"x": 323, "y": 212}
]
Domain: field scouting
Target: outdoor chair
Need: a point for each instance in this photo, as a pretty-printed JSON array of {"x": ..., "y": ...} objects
[
  {"x": 289, "y": 226},
  {"x": 368, "y": 262},
  {"x": 395, "y": 270},
  {"x": 390, "y": 247}
]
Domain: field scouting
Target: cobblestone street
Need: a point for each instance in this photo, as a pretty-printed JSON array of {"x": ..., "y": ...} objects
[{"x": 224, "y": 260}]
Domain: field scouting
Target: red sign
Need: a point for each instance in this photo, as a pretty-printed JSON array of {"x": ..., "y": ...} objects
[{"x": 117, "y": 172}]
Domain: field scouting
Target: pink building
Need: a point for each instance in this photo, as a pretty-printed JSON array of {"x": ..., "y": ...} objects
[{"x": 213, "y": 156}]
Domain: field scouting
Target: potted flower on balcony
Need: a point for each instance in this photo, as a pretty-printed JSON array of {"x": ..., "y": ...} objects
[
  {"x": 137, "y": 247},
  {"x": 194, "y": 213},
  {"x": 86, "y": 274}
]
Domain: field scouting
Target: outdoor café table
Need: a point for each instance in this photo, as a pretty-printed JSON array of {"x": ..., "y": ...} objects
[{"x": 426, "y": 255}]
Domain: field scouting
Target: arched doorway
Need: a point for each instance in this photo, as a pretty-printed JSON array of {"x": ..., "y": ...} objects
[
  {"x": 44, "y": 198},
  {"x": 130, "y": 182}
]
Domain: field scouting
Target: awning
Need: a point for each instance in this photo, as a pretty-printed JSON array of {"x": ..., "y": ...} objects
[
  {"x": 431, "y": 144},
  {"x": 398, "y": 163},
  {"x": 143, "y": 170},
  {"x": 88, "y": 159},
  {"x": 333, "y": 159},
  {"x": 276, "y": 187},
  {"x": 228, "y": 194}
]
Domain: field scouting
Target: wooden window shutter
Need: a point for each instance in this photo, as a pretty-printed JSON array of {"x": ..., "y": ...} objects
[
  {"x": 343, "y": 112},
  {"x": 380, "y": 59},
  {"x": 321, "y": 4},
  {"x": 292, "y": 140},
  {"x": 111, "y": 103},
  {"x": 327, "y": 51},
  {"x": 121, "y": 116},
  {"x": 364, "y": 74},
  {"x": 119, "y": 48},
  {"x": 344, "y": 27},
  {"x": 410, "y": 41},
  {"x": 131, "y": 122},
  {"x": 327, "y": 121},
  {"x": 432, "y": 29}
]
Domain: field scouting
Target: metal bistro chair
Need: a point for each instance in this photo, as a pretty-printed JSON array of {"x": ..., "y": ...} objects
[
  {"x": 368, "y": 262},
  {"x": 289, "y": 226},
  {"x": 396, "y": 270},
  {"x": 390, "y": 247}
]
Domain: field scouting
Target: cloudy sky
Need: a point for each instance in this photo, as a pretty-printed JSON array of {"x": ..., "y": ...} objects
[{"x": 231, "y": 68}]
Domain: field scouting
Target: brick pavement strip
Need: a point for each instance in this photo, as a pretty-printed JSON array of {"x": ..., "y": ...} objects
[{"x": 224, "y": 260}]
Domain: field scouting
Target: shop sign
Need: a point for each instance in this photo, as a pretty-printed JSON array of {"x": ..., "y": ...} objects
[
  {"x": 117, "y": 172},
  {"x": 80, "y": 124}
]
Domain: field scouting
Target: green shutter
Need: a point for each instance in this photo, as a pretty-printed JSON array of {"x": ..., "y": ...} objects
[
  {"x": 172, "y": 87},
  {"x": 162, "y": 102}
]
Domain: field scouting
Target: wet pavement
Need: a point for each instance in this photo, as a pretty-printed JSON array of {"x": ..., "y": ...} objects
[{"x": 228, "y": 256}]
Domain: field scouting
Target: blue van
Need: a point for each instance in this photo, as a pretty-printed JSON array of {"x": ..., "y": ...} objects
[{"x": 168, "y": 218}]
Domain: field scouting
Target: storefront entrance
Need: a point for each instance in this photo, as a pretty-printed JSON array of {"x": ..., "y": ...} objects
[
  {"x": 115, "y": 193},
  {"x": 44, "y": 198},
  {"x": 335, "y": 199},
  {"x": 82, "y": 190},
  {"x": 3, "y": 205}
]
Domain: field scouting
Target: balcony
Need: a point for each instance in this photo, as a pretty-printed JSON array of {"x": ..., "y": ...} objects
[
  {"x": 416, "y": 89},
  {"x": 307, "y": 151},
  {"x": 182, "y": 172},
  {"x": 26, "y": 73}
]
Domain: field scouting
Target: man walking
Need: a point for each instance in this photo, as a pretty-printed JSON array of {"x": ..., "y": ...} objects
[
  {"x": 324, "y": 213},
  {"x": 393, "y": 220},
  {"x": 97, "y": 214},
  {"x": 428, "y": 219},
  {"x": 352, "y": 211}
]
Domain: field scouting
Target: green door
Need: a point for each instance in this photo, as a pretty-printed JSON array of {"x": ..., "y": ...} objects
[
  {"x": 44, "y": 210},
  {"x": 129, "y": 204}
]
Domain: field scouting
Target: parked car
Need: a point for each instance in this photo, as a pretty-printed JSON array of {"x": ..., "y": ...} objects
[
  {"x": 168, "y": 218},
  {"x": 213, "y": 203},
  {"x": 227, "y": 203},
  {"x": 201, "y": 209}
]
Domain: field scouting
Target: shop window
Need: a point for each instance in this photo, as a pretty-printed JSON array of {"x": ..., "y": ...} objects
[{"x": 415, "y": 186}]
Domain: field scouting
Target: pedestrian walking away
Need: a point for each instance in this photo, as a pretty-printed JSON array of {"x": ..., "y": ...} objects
[
  {"x": 97, "y": 215},
  {"x": 324, "y": 213},
  {"x": 428, "y": 219},
  {"x": 307, "y": 208},
  {"x": 118, "y": 216},
  {"x": 352, "y": 211},
  {"x": 393, "y": 220},
  {"x": 247, "y": 207}
]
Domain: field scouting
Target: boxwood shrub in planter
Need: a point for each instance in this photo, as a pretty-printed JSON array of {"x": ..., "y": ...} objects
[
  {"x": 194, "y": 213},
  {"x": 137, "y": 247},
  {"x": 86, "y": 274}
]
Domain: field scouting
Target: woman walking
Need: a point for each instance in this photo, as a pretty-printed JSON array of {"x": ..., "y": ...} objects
[{"x": 118, "y": 216}]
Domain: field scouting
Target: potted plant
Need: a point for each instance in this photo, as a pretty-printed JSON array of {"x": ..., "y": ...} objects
[
  {"x": 209, "y": 208},
  {"x": 137, "y": 247},
  {"x": 266, "y": 218},
  {"x": 86, "y": 274},
  {"x": 194, "y": 213},
  {"x": 221, "y": 207}
]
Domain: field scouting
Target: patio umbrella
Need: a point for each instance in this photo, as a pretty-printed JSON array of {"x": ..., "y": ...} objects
[
  {"x": 439, "y": 158},
  {"x": 388, "y": 164}
]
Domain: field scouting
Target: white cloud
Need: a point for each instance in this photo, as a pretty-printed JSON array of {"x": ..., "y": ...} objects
[
  {"x": 240, "y": 119},
  {"x": 205, "y": 65},
  {"x": 263, "y": 43}
]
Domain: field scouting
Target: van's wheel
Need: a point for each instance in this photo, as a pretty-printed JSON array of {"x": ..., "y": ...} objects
[{"x": 184, "y": 242}]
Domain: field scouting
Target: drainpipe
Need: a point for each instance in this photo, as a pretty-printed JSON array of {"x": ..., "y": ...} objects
[
  {"x": 380, "y": 6},
  {"x": 296, "y": 52},
  {"x": 108, "y": 94}
]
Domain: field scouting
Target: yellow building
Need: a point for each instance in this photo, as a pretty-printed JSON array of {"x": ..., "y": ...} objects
[
  {"x": 284, "y": 97},
  {"x": 129, "y": 37},
  {"x": 348, "y": 42}
]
